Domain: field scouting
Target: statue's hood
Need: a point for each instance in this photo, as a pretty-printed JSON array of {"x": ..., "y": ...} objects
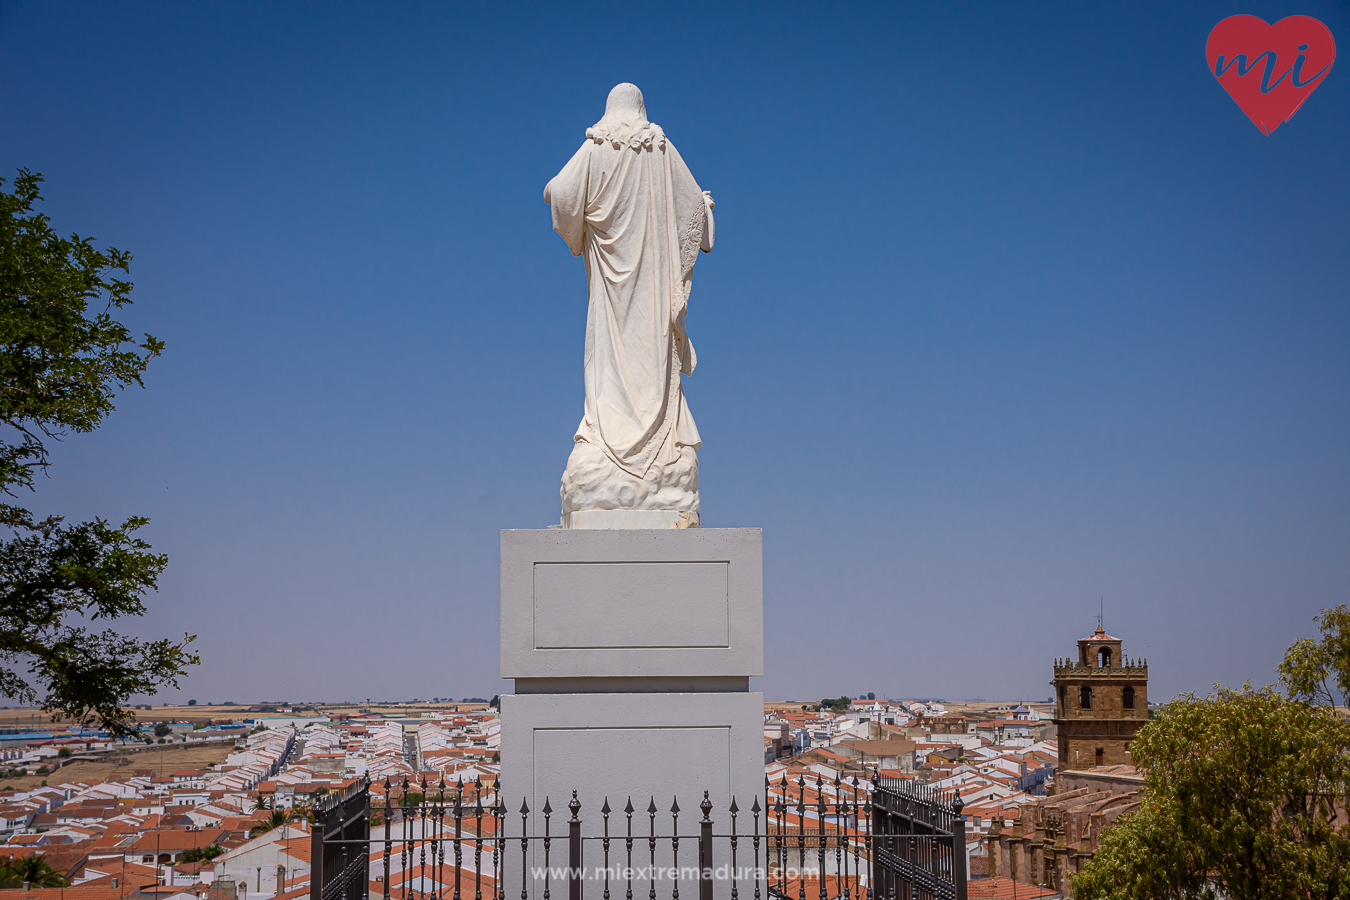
[{"x": 625, "y": 121}]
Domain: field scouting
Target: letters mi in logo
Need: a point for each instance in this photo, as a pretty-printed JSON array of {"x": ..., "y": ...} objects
[{"x": 1270, "y": 69}]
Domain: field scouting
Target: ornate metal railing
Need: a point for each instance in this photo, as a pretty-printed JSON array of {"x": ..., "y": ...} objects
[
  {"x": 339, "y": 857},
  {"x": 803, "y": 840}
]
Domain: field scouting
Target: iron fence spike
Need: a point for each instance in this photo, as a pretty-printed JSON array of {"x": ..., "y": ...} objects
[
  {"x": 628, "y": 808},
  {"x": 604, "y": 809}
]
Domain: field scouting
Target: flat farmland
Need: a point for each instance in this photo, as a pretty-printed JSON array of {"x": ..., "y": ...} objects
[{"x": 164, "y": 759}]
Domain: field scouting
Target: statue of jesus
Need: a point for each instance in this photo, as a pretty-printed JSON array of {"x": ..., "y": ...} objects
[{"x": 628, "y": 204}]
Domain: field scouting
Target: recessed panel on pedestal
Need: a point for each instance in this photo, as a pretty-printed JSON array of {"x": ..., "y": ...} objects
[
  {"x": 691, "y": 609},
  {"x": 672, "y": 603}
]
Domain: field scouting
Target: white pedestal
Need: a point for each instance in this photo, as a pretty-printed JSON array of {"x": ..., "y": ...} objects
[
  {"x": 630, "y": 518},
  {"x": 669, "y": 603},
  {"x": 652, "y": 747},
  {"x": 631, "y": 652}
]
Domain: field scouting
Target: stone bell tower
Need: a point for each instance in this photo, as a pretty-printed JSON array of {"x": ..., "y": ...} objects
[{"x": 1101, "y": 700}]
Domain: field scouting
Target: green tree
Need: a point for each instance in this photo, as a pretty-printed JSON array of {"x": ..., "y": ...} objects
[
  {"x": 61, "y": 365},
  {"x": 1311, "y": 666},
  {"x": 277, "y": 818},
  {"x": 32, "y": 869},
  {"x": 162, "y": 729},
  {"x": 202, "y": 854},
  {"x": 63, "y": 753},
  {"x": 1240, "y": 800}
]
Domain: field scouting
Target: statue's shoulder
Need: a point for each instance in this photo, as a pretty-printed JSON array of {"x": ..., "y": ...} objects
[{"x": 649, "y": 136}]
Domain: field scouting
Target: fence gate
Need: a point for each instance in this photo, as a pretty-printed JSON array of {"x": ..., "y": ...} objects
[
  {"x": 340, "y": 845},
  {"x": 918, "y": 843}
]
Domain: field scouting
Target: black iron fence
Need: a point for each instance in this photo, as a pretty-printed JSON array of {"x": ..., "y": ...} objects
[
  {"x": 339, "y": 853},
  {"x": 849, "y": 839},
  {"x": 918, "y": 843}
]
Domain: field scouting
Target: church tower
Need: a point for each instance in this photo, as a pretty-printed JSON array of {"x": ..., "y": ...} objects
[{"x": 1101, "y": 700}]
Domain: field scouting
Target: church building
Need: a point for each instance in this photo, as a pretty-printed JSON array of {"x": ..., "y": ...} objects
[{"x": 1101, "y": 701}]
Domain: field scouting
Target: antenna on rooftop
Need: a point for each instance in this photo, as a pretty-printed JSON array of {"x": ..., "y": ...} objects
[{"x": 1101, "y": 608}]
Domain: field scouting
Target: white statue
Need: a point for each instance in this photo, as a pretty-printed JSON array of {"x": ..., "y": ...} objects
[{"x": 627, "y": 203}]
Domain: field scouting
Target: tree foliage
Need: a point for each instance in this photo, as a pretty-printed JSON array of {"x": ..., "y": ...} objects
[
  {"x": 202, "y": 854},
  {"x": 31, "y": 869},
  {"x": 1244, "y": 797},
  {"x": 63, "y": 358},
  {"x": 1311, "y": 666},
  {"x": 276, "y": 819}
]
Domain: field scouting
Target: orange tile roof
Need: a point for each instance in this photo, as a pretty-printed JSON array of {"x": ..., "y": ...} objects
[
  {"x": 1004, "y": 889},
  {"x": 169, "y": 841},
  {"x": 78, "y": 892}
]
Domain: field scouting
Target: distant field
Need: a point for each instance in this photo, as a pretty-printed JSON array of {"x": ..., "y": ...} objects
[
  {"x": 32, "y": 718},
  {"x": 164, "y": 759},
  {"x": 975, "y": 708}
]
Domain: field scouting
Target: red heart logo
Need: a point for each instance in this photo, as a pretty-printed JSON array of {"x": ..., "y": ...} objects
[{"x": 1270, "y": 69}]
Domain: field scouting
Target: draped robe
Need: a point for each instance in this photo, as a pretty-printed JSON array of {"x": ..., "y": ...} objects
[{"x": 628, "y": 204}]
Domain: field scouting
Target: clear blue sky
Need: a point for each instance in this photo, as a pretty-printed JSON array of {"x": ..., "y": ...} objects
[{"x": 1012, "y": 309}]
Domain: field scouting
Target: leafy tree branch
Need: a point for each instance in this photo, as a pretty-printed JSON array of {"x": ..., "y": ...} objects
[{"x": 63, "y": 359}]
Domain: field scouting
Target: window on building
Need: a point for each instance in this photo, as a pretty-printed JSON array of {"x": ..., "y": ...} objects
[
  {"x": 1085, "y": 698},
  {"x": 1127, "y": 698},
  {"x": 1104, "y": 657},
  {"x": 1063, "y": 700}
]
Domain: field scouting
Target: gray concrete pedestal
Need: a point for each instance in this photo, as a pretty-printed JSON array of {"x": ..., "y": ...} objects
[{"x": 631, "y": 652}]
